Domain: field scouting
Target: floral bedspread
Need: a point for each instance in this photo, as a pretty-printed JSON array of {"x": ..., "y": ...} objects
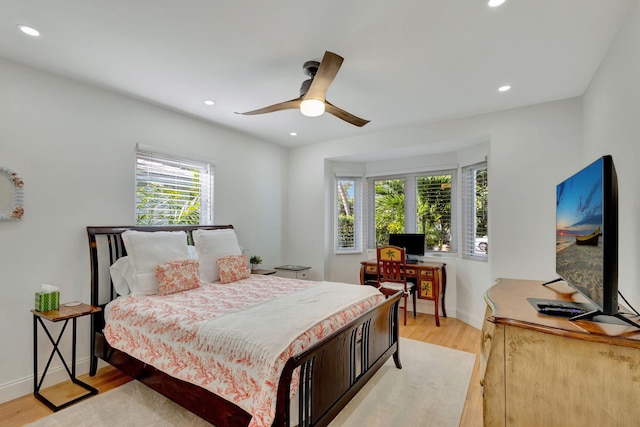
[{"x": 163, "y": 332}]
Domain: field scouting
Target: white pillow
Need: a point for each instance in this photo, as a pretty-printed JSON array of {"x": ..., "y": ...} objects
[
  {"x": 122, "y": 275},
  {"x": 211, "y": 245},
  {"x": 148, "y": 249}
]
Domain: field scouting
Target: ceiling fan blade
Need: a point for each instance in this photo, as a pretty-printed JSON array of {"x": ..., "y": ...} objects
[
  {"x": 327, "y": 71},
  {"x": 346, "y": 116},
  {"x": 287, "y": 105}
]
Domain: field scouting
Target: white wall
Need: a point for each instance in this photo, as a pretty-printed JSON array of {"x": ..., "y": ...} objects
[
  {"x": 530, "y": 150},
  {"x": 74, "y": 146},
  {"x": 612, "y": 126}
]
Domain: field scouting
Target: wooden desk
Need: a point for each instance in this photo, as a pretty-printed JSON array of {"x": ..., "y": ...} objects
[
  {"x": 539, "y": 370},
  {"x": 430, "y": 277}
]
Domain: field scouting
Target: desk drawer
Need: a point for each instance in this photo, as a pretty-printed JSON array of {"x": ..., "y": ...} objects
[
  {"x": 411, "y": 271},
  {"x": 426, "y": 272},
  {"x": 371, "y": 269}
]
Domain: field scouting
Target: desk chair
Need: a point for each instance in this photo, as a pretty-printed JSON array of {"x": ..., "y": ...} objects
[{"x": 391, "y": 275}]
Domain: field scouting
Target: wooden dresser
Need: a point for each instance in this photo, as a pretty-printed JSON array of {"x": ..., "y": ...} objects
[{"x": 539, "y": 370}]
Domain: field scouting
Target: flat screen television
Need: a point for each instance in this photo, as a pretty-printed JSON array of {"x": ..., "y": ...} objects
[
  {"x": 413, "y": 244},
  {"x": 587, "y": 236}
]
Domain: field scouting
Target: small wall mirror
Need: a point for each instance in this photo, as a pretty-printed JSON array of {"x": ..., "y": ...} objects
[{"x": 11, "y": 195}]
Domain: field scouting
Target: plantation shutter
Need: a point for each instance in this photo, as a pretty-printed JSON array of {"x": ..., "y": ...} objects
[
  {"x": 475, "y": 243},
  {"x": 172, "y": 189},
  {"x": 348, "y": 215},
  {"x": 435, "y": 213}
]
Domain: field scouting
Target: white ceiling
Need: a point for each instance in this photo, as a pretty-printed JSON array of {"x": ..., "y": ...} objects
[{"x": 405, "y": 61}]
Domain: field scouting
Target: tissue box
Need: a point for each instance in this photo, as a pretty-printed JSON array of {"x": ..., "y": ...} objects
[{"x": 46, "y": 301}]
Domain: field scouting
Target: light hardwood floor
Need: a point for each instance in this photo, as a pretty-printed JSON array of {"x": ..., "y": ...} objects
[{"x": 452, "y": 333}]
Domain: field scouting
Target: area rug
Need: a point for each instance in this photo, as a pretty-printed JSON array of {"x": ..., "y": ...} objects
[{"x": 429, "y": 390}]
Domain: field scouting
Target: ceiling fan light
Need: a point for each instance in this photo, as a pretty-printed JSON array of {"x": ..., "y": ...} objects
[{"x": 312, "y": 107}]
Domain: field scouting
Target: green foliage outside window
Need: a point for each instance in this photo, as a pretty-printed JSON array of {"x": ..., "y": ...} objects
[
  {"x": 160, "y": 204},
  {"x": 389, "y": 207},
  {"x": 346, "y": 222},
  {"x": 482, "y": 202},
  {"x": 433, "y": 210},
  {"x": 345, "y": 231}
]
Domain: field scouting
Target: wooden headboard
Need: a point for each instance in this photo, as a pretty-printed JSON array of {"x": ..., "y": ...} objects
[{"x": 106, "y": 246}]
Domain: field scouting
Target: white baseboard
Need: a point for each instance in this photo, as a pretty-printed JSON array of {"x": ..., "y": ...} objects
[
  {"x": 426, "y": 307},
  {"x": 55, "y": 375},
  {"x": 453, "y": 312},
  {"x": 467, "y": 318}
]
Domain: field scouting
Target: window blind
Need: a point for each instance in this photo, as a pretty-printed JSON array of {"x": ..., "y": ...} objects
[
  {"x": 172, "y": 190},
  {"x": 348, "y": 238},
  {"x": 434, "y": 211},
  {"x": 475, "y": 243}
]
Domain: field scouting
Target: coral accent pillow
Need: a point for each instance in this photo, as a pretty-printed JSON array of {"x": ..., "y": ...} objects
[
  {"x": 233, "y": 268},
  {"x": 177, "y": 276}
]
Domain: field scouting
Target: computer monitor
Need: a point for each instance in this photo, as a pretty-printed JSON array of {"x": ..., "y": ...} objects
[{"x": 413, "y": 244}]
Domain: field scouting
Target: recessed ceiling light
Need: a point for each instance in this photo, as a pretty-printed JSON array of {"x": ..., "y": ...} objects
[
  {"x": 495, "y": 3},
  {"x": 29, "y": 30},
  {"x": 209, "y": 102},
  {"x": 504, "y": 88},
  {"x": 294, "y": 134}
]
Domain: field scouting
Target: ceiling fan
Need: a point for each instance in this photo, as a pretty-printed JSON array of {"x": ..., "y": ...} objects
[{"x": 312, "y": 101}]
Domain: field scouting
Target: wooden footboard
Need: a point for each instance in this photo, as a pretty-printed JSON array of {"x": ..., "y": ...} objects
[
  {"x": 331, "y": 372},
  {"x": 335, "y": 369}
]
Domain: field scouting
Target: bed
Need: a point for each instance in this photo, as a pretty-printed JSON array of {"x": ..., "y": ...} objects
[{"x": 313, "y": 380}]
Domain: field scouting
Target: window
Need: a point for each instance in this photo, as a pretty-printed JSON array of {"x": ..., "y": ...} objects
[
  {"x": 348, "y": 217},
  {"x": 172, "y": 190},
  {"x": 475, "y": 242},
  {"x": 414, "y": 203},
  {"x": 389, "y": 213}
]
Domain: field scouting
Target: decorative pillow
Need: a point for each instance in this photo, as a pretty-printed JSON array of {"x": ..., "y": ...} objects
[
  {"x": 233, "y": 268},
  {"x": 177, "y": 276},
  {"x": 122, "y": 275},
  {"x": 148, "y": 249},
  {"x": 211, "y": 245}
]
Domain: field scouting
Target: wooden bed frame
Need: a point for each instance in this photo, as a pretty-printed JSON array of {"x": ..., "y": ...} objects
[{"x": 331, "y": 372}]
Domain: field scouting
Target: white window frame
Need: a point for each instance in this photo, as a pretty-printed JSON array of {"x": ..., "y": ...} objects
[
  {"x": 166, "y": 164},
  {"x": 357, "y": 215},
  {"x": 410, "y": 206},
  {"x": 470, "y": 241}
]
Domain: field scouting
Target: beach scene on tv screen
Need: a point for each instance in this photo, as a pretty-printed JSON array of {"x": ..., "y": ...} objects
[{"x": 579, "y": 231}]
